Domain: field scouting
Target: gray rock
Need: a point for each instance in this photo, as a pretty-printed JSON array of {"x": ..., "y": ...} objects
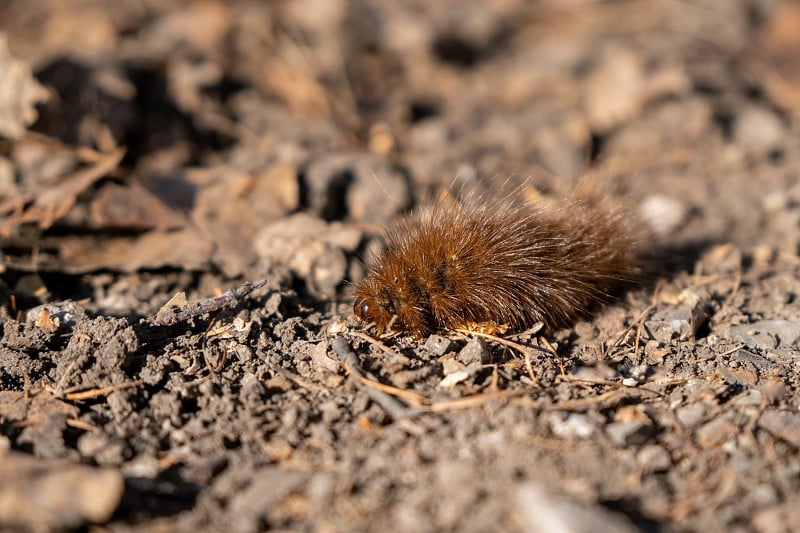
[
  {"x": 476, "y": 351},
  {"x": 50, "y": 495},
  {"x": 767, "y": 334},
  {"x": 677, "y": 323},
  {"x": 715, "y": 432},
  {"x": 356, "y": 185},
  {"x": 691, "y": 415},
  {"x": 268, "y": 487},
  {"x": 573, "y": 426},
  {"x": 629, "y": 432},
  {"x": 653, "y": 458},
  {"x": 782, "y": 424},
  {"x": 541, "y": 510},
  {"x": 438, "y": 345},
  {"x": 758, "y": 130}
]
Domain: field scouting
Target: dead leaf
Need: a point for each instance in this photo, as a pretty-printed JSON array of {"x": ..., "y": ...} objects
[
  {"x": 19, "y": 94},
  {"x": 55, "y": 202}
]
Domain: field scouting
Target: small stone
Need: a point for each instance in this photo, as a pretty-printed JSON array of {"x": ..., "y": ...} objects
[
  {"x": 574, "y": 426},
  {"x": 355, "y": 185},
  {"x": 319, "y": 355},
  {"x": 781, "y": 517},
  {"x": 268, "y": 487},
  {"x": 614, "y": 89},
  {"x": 311, "y": 248},
  {"x": 782, "y": 424},
  {"x": 450, "y": 364},
  {"x": 438, "y": 345},
  {"x": 663, "y": 214},
  {"x": 716, "y": 432},
  {"x": 541, "y": 510},
  {"x": 101, "y": 448},
  {"x": 758, "y": 130},
  {"x": 761, "y": 363},
  {"x": 749, "y": 397},
  {"x": 626, "y": 433},
  {"x": 475, "y": 351},
  {"x": 767, "y": 334},
  {"x": 653, "y": 458},
  {"x": 679, "y": 322},
  {"x": 53, "y": 495}
]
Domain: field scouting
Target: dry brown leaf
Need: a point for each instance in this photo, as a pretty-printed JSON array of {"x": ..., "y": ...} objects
[
  {"x": 54, "y": 203},
  {"x": 19, "y": 93}
]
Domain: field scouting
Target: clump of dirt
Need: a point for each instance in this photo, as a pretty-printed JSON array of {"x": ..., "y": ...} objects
[{"x": 187, "y": 190}]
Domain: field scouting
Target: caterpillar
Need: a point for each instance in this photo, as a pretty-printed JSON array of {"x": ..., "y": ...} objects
[{"x": 496, "y": 264}]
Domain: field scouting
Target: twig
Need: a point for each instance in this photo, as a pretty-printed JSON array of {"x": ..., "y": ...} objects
[
  {"x": 625, "y": 332},
  {"x": 375, "y": 390},
  {"x": 216, "y": 368},
  {"x": 374, "y": 341},
  {"x": 474, "y": 399},
  {"x": 524, "y": 350},
  {"x": 230, "y": 298},
  {"x": 102, "y": 391}
]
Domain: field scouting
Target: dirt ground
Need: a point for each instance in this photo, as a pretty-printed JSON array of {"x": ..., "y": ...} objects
[{"x": 187, "y": 188}]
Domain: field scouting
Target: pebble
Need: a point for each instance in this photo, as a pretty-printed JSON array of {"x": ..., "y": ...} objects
[
  {"x": 268, "y": 487},
  {"x": 475, "y": 351},
  {"x": 438, "y": 345},
  {"x": 716, "y": 432},
  {"x": 676, "y": 323},
  {"x": 653, "y": 458},
  {"x": 355, "y": 185},
  {"x": 614, "y": 89},
  {"x": 574, "y": 426},
  {"x": 767, "y": 334},
  {"x": 313, "y": 249},
  {"x": 758, "y": 130},
  {"x": 761, "y": 363},
  {"x": 691, "y": 415},
  {"x": 781, "y": 517},
  {"x": 541, "y": 510},
  {"x": 663, "y": 214},
  {"x": 101, "y": 448},
  {"x": 681, "y": 321},
  {"x": 629, "y": 432},
  {"x": 782, "y": 424},
  {"x": 52, "y": 495}
]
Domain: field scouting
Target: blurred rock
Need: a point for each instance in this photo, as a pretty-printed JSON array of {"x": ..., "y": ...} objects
[
  {"x": 628, "y": 432},
  {"x": 475, "y": 351},
  {"x": 540, "y": 510},
  {"x": 782, "y": 424},
  {"x": 438, "y": 345},
  {"x": 767, "y": 334},
  {"x": 313, "y": 249},
  {"x": 19, "y": 94},
  {"x": 267, "y": 487},
  {"x": 653, "y": 458},
  {"x": 782, "y": 517},
  {"x": 614, "y": 89},
  {"x": 47, "y": 495},
  {"x": 572, "y": 426},
  {"x": 358, "y": 186},
  {"x": 715, "y": 432},
  {"x": 691, "y": 415},
  {"x": 758, "y": 130},
  {"x": 663, "y": 214},
  {"x": 779, "y": 41}
]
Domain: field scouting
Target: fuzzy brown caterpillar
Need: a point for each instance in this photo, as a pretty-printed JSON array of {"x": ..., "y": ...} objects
[{"x": 495, "y": 264}]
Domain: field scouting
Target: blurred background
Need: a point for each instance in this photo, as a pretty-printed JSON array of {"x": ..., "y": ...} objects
[{"x": 228, "y": 136}]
